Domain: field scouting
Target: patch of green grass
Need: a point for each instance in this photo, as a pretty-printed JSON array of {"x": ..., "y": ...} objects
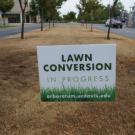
[
  {"x": 78, "y": 94},
  {"x": 6, "y": 26}
]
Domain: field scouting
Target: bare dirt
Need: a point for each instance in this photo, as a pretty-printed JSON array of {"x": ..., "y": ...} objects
[{"x": 22, "y": 112}]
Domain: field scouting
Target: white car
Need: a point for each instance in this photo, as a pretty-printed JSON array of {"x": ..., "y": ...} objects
[{"x": 114, "y": 23}]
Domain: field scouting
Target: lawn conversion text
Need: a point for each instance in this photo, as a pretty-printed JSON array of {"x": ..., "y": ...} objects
[{"x": 76, "y": 66}]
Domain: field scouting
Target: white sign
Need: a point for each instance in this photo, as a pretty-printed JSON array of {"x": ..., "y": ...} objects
[{"x": 77, "y": 72}]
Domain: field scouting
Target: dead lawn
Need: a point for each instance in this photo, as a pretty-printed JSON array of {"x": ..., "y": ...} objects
[{"x": 22, "y": 113}]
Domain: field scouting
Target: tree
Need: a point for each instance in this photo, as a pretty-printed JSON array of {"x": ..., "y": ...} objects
[
  {"x": 112, "y": 9},
  {"x": 52, "y": 10},
  {"x": 5, "y": 6},
  {"x": 118, "y": 9},
  {"x": 33, "y": 9},
  {"x": 41, "y": 7},
  {"x": 89, "y": 10},
  {"x": 48, "y": 9},
  {"x": 71, "y": 16},
  {"x": 23, "y": 5}
]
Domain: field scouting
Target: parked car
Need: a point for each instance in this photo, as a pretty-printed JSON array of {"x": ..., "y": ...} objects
[{"x": 114, "y": 23}]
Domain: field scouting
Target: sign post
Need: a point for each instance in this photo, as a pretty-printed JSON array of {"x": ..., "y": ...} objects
[{"x": 77, "y": 72}]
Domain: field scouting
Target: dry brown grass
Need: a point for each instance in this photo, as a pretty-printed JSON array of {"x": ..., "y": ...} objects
[{"x": 22, "y": 113}]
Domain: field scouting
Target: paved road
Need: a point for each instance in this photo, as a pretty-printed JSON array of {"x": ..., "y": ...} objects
[
  {"x": 127, "y": 32},
  {"x": 17, "y": 30}
]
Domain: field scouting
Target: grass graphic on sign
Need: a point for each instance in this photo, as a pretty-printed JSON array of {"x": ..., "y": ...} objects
[{"x": 78, "y": 94}]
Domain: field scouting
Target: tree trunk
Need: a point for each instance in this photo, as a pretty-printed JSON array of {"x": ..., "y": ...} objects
[
  {"x": 110, "y": 15},
  {"x": 109, "y": 27},
  {"x": 92, "y": 18},
  {"x": 91, "y": 27},
  {"x": 86, "y": 25},
  {"x": 41, "y": 16},
  {"x": 4, "y": 22},
  {"x": 23, "y": 15},
  {"x": 23, "y": 21},
  {"x": 49, "y": 24},
  {"x": 108, "y": 33},
  {"x": 53, "y": 23}
]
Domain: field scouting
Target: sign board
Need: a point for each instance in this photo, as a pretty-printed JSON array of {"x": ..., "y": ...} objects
[{"x": 77, "y": 72}]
